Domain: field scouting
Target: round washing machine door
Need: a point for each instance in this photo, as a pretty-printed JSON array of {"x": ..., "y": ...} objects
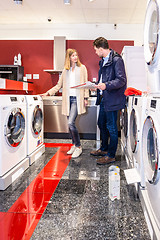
[
  {"x": 124, "y": 121},
  {"x": 37, "y": 120},
  {"x": 151, "y": 33},
  {"x": 151, "y": 150},
  {"x": 15, "y": 127},
  {"x": 134, "y": 131}
]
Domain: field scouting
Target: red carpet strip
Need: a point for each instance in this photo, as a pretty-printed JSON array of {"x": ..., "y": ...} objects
[
  {"x": 22, "y": 218},
  {"x": 58, "y": 144}
]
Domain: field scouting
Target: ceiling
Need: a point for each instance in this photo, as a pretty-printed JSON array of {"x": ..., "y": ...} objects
[{"x": 80, "y": 11}]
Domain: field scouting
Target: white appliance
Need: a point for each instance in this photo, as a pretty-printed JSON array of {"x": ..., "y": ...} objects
[
  {"x": 137, "y": 118},
  {"x": 152, "y": 45},
  {"x": 134, "y": 62},
  {"x": 129, "y": 154},
  {"x": 151, "y": 156},
  {"x": 35, "y": 141},
  {"x": 13, "y": 151}
]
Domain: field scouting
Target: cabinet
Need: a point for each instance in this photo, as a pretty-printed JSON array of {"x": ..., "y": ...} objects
[
  {"x": 7, "y": 85},
  {"x": 56, "y": 124}
]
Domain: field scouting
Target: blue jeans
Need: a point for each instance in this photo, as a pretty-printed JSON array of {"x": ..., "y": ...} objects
[
  {"x": 107, "y": 123},
  {"x": 71, "y": 121}
]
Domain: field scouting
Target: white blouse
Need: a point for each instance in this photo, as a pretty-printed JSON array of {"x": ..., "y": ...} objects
[{"x": 72, "y": 82}]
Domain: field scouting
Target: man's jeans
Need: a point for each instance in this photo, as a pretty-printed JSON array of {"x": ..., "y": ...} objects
[
  {"x": 71, "y": 121},
  {"x": 107, "y": 123}
]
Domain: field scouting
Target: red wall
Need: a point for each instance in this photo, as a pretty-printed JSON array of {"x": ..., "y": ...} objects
[
  {"x": 38, "y": 55},
  {"x": 87, "y": 53}
]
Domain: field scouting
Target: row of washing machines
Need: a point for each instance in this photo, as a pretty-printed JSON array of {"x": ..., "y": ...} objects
[
  {"x": 140, "y": 120},
  {"x": 140, "y": 137},
  {"x": 21, "y": 135}
]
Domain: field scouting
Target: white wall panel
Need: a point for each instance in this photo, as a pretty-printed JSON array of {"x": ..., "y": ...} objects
[{"x": 73, "y": 31}]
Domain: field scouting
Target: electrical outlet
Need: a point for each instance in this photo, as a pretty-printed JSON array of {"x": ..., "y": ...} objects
[
  {"x": 35, "y": 76},
  {"x": 29, "y": 76}
]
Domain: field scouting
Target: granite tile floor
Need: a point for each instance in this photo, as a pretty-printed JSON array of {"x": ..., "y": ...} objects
[{"x": 80, "y": 208}]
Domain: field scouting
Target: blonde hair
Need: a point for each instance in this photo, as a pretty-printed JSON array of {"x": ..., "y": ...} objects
[{"x": 67, "y": 64}]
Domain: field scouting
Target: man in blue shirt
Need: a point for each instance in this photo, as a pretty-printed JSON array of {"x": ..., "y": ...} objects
[{"x": 110, "y": 96}]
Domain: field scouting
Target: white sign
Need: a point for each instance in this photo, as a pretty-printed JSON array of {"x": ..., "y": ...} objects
[
  {"x": 25, "y": 86},
  {"x": 132, "y": 175},
  {"x": 2, "y": 83}
]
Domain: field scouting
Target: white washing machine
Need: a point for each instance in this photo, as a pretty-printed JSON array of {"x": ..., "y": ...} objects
[
  {"x": 152, "y": 45},
  {"x": 35, "y": 141},
  {"x": 134, "y": 62},
  {"x": 13, "y": 151},
  {"x": 151, "y": 156},
  {"x": 137, "y": 118}
]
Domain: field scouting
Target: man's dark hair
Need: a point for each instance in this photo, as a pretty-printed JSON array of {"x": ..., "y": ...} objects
[{"x": 101, "y": 42}]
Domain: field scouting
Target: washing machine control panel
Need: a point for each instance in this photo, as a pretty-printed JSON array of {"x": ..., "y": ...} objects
[
  {"x": 13, "y": 99},
  {"x": 153, "y": 104}
]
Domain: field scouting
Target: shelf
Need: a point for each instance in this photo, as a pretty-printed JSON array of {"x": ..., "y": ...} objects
[
  {"x": 52, "y": 71},
  {"x": 6, "y": 84}
]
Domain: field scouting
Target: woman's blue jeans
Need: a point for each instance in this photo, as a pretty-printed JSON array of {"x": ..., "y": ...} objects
[
  {"x": 107, "y": 123},
  {"x": 71, "y": 121}
]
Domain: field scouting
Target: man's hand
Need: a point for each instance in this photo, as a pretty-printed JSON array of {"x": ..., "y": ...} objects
[{"x": 101, "y": 86}]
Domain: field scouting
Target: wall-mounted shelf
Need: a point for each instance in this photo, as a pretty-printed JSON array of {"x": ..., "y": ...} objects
[
  {"x": 6, "y": 84},
  {"x": 52, "y": 71}
]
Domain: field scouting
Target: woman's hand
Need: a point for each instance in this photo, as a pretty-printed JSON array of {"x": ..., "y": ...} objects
[{"x": 85, "y": 102}]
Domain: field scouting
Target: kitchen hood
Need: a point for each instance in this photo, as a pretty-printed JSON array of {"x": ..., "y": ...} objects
[{"x": 59, "y": 53}]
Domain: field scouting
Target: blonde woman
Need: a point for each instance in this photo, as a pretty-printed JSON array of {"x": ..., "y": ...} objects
[{"x": 74, "y": 100}]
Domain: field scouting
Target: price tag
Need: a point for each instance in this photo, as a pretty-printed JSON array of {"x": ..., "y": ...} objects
[
  {"x": 2, "y": 83},
  {"x": 25, "y": 86}
]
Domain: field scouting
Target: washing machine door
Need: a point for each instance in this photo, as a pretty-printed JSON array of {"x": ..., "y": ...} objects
[
  {"x": 134, "y": 131},
  {"x": 37, "y": 120},
  {"x": 124, "y": 121},
  {"x": 15, "y": 127},
  {"x": 151, "y": 150},
  {"x": 151, "y": 33}
]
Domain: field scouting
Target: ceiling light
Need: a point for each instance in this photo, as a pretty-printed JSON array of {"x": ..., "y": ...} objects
[
  {"x": 18, "y": 1},
  {"x": 67, "y": 2},
  {"x": 90, "y": 0}
]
